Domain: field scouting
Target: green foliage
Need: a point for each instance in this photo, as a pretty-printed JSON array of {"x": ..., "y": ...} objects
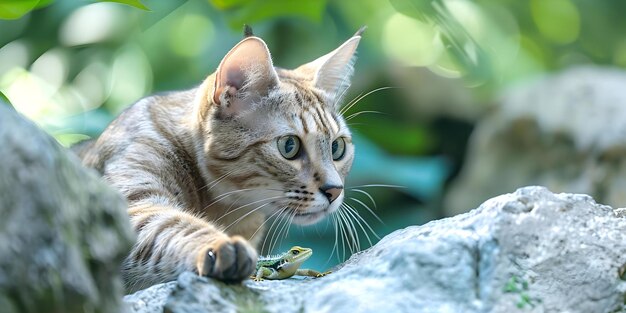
[
  {"x": 15, "y": 9},
  {"x": 240, "y": 12},
  {"x": 520, "y": 286},
  {"x": 460, "y": 45},
  {"x": 133, "y": 3},
  {"x": 4, "y": 100}
]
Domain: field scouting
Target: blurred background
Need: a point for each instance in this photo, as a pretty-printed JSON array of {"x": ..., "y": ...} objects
[{"x": 73, "y": 65}]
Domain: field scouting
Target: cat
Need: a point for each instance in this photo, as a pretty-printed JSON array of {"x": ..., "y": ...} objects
[{"x": 203, "y": 169}]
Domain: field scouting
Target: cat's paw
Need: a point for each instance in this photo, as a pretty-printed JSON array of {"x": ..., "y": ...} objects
[{"x": 230, "y": 260}]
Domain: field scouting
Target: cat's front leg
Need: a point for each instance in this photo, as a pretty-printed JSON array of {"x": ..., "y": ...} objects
[
  {"x": 229, "y": 259},
  {"x": 171, "y": 241}
]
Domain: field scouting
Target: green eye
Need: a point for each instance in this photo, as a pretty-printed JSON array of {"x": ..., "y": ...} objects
[
  {"x": 289, "y": 146},
  {"x": 338, "y": 148}
]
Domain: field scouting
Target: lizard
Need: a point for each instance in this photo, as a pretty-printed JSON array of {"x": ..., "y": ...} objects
[{"x": 285, "y": 265}]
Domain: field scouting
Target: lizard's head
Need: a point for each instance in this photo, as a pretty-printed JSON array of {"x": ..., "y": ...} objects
[{"x": 297, "y": 255}]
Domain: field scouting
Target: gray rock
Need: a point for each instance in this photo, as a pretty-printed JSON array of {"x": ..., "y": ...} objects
[
  {"x": 566, "y": 132},
  {"x": 63, "y": 232},
  {"x": 531, "y": 250}
]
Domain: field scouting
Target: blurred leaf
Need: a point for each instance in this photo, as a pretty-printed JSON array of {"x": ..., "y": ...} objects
[
  {"x": 133, "y": 3},
  {"x": 67, "y": 140},
  {"x": 227, "y": 4},
  {"x": 464, "y": 49},
  {"x": 239, "y": 12},
  {"x": 4, "y": 100},
  {"x": 42, "y": 3},
  {"x": 14, "y": 9}
]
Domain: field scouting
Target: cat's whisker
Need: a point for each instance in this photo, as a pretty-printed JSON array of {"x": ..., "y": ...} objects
[
  {"x": 289, "y": 219},
  {"x": 368, "y": 209},
  {"x": 271, "y": 229},
  {"x": 349, "y": 105},
  {"x": 356, "y": 220},
  {"x": 280, "y": 219},
  {"x": 355, "y": 234},
  {"x": 245, "y": 205},
  {"x": 359, "y": 219},
  {"x": 289, "y": 223},
  {"x": 347, "y": 232},
  {"x": 247, "y": 214},
  {"x": 353, "y": 115},
  {"x": 376, "y": 185},
  {"x": 356, "y": 124},
  {"x": 266, "y": 220},
  {"x": 332, "y": 251},
  {"x": 367, "y": 195},
  {"x": 217, "y": 180},
  {"x": 342, "y": 236},
  {"x": 281, "y": 226},
  {"x": 336, "y": 226},
  {"x": 362, "y": 219},
  {"x": 227, "y": 194},
  {"x": 360, "y": 97}
]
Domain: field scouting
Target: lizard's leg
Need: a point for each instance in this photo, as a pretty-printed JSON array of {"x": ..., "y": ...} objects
[
  {"x": 310, "y": 273},
  {"x": 262, "y": 273}
]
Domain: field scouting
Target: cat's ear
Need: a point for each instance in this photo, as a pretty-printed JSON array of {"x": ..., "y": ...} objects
[
  {"x": 332, "y": 72},
  {"x": 245, "y": 75}
]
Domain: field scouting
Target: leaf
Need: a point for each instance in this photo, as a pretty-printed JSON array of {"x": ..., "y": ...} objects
[
  {"x": 460, "y": 45},
  {"x": 4, "y": 100},
  {"x": 239, "y": 12},
  {"x": 43, "y": 4},
  {"x": 133, "y": 3},
  {"x": 511, "y": 285},
  {"x": 228, "y": 4},
  {"x": 68, "y": 140},
  {"x": 14, "y": 9}
]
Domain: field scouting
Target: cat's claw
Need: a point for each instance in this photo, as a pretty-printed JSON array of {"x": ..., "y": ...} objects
[{"x": 230, "y": 260}]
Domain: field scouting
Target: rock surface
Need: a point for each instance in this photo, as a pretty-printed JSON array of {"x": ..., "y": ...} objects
[
  {"x": 566, "y": 132},
  {"x": 63, "y": 232},
  {"x": 531, "y": 250}
]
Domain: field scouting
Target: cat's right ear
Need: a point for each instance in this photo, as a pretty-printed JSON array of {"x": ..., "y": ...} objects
[{"x": 245, "y": 75}]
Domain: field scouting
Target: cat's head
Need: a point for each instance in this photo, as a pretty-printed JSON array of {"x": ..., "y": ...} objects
[{"x": 277, "y": 135}]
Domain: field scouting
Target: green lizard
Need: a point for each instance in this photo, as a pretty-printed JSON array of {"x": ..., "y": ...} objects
[{"x": 285, "y": 265}]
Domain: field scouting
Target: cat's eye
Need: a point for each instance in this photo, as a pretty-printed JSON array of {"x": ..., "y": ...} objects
[
  {"x": 289, "y": 146},
  {"x": 338, "y": 148}
]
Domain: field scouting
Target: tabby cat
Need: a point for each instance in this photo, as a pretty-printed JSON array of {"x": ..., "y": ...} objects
[{"x": 203, "y": 169}]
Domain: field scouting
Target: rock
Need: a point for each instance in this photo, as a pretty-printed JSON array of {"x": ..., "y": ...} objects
[
  {"x": 63, "y": 232},
  {"x": 531, "y": 250},
  {"x": 566, "y": 132}
]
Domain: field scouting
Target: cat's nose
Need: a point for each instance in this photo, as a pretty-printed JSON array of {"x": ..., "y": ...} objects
[{"x": 331, "y": 192}]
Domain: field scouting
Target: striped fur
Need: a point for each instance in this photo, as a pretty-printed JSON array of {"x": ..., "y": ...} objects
[{"x": 202, "y": 175}]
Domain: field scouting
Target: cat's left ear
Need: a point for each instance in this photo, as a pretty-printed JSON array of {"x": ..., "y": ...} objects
[
  {"x": 245, "y": 75},
  {"x": 332, "y": 72}
]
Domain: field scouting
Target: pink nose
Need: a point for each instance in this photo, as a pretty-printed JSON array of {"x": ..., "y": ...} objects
[{"x": 331, "y": 192}]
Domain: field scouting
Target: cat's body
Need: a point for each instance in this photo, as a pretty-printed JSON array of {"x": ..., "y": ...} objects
[{"x": 203, "y": 169}]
